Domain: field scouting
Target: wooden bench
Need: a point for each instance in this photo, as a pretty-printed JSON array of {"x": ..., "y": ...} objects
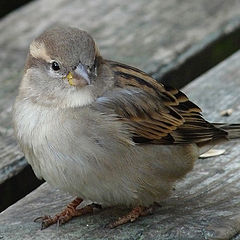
[
  {"x": 205, "y": 205},
  {"x": 173, "y": 41}
]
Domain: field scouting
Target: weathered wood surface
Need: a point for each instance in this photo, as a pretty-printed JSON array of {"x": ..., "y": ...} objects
[
  {"x": 151, "y": 35},
  {"x": 205, "y": 205}
]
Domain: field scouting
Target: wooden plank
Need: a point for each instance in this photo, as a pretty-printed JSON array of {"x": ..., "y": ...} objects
[
  {"x": 147, "y": 35},
  {"x": 205, "y": 205}
]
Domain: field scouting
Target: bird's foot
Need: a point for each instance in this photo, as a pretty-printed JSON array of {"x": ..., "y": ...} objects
[
  {"x": 132, "y": 216},
  {"x": 68, "y": 213}
]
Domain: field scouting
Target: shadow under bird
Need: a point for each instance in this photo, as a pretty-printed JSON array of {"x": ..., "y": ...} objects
[{"x": 105, "y": 131}]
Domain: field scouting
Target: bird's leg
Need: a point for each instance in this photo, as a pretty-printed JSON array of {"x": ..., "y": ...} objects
[
  {"x": 133, "y": 215},
  {"x": 68, "y": 213}
]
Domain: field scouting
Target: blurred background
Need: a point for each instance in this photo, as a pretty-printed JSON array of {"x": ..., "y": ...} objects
[
  {"x": 8, "y": 6},
  {"x": 175, "y": 41}
]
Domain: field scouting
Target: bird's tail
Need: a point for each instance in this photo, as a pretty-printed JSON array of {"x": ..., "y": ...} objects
[{"x": 233, "y": 130}]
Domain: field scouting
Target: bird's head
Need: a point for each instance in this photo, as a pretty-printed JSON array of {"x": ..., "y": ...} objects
[{"x": 61, "y": 66}]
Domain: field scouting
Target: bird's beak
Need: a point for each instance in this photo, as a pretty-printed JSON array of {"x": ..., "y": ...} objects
[{"x": 79, "y": 76}]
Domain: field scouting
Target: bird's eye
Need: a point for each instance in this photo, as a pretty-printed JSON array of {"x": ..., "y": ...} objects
[{"x": 55, "y": 66}]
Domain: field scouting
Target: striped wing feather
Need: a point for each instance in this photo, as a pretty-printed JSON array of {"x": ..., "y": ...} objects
[{"x": 156, "y": 113}]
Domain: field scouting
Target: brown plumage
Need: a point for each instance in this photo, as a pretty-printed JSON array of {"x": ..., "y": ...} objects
[{"x": 157, "y": 114}]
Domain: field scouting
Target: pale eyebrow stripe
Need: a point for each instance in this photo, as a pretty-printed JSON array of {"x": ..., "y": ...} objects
[{"x": 38, "y": 50}]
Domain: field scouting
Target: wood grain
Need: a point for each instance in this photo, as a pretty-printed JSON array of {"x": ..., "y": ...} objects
[{"x": 205, "y": 205}]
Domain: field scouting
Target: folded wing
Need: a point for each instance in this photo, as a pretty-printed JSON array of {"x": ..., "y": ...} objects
[{"x": 155, "y": 113}]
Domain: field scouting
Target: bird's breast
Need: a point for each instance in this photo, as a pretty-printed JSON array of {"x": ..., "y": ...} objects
[{"x": 34, "y": 127}]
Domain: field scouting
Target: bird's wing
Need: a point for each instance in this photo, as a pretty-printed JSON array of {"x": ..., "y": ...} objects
[{"x": 154, "y": 112}]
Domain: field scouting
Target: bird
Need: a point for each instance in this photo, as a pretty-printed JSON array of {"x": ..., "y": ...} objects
[{"x": 105, "y": 131}]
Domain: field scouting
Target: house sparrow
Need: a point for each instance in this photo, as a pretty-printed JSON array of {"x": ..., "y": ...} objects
[{"x": 105, "y": 131}]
